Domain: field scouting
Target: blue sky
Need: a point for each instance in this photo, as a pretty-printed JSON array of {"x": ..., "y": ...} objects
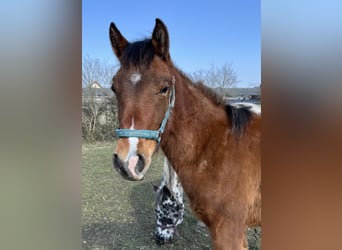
[{"x": 202, "y": 33}]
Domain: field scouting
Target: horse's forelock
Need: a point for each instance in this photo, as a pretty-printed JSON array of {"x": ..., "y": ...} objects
[{"x": 138, "y": 55}]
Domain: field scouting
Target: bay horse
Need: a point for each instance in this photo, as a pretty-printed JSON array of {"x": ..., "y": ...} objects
[
  {"x": 214, "y": 148},
  {"x": 169, "y": 204}
]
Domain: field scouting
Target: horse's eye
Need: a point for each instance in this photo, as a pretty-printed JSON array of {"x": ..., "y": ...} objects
[{"x": 164, "y": 90}]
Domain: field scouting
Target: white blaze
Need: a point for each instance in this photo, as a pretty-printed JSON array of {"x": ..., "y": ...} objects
[
  {"x": 135, "y": 78},
  {"x": 133, "y": 144}
]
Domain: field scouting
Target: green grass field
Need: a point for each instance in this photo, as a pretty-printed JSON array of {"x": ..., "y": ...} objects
[{"x": 119, "y": 214}]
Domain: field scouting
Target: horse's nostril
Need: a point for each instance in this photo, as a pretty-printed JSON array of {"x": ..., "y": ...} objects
[
  {"x": 116, "y": 159},
  {"x": 141, "y": 163},
  {"x": 118, "y": 164}
]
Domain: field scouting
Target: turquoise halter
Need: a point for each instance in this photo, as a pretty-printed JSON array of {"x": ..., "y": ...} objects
[{"x": 151, "y": 134}]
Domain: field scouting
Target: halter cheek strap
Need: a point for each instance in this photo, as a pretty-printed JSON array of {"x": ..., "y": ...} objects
[{"x": 151, "y": 134}]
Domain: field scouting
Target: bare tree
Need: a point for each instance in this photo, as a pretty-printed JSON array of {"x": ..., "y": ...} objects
[
  {"x": 94, "y": 69},
  {"x": 217, "y": 77},
  {"x": 99, "y": 117},
  {"x": 98, "y": 108},
  {"x": 92, "y": 109}
]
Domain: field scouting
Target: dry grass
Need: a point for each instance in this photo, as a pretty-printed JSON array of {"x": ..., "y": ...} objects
[{"x": 119, "y": 214}]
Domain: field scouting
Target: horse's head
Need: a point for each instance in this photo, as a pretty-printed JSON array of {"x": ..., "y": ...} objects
[{"x": 144, "y": 88}]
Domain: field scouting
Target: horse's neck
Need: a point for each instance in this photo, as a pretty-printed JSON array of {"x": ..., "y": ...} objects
[{"x": 194, "y": 122}]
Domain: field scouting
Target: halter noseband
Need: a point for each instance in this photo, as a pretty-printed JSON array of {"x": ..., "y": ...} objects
[{"x": 151, "y": 134}]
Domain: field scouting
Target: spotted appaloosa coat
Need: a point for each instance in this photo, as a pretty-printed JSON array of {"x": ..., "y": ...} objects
[{"x": 169, "y": 206}]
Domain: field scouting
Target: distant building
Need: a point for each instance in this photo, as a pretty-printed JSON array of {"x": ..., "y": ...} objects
[
  {"x": 95, "y": 89},
  {"x": 242, "y": 94},
  {"x": 100, "y": 101}
]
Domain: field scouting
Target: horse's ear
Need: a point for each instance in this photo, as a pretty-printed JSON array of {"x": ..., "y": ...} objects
[
  {"x": 117, "y": 40},
  {"x": 160, "y": 40}
]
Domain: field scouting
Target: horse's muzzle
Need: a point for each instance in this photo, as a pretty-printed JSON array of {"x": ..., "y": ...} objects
[{"x": 127, "y": 170}]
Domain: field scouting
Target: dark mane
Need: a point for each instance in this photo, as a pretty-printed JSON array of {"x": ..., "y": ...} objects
[
  {"x": 239, "y": 117},
  {"x": 210, "y": 93},
  {"x": 138, "y": 54}
]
